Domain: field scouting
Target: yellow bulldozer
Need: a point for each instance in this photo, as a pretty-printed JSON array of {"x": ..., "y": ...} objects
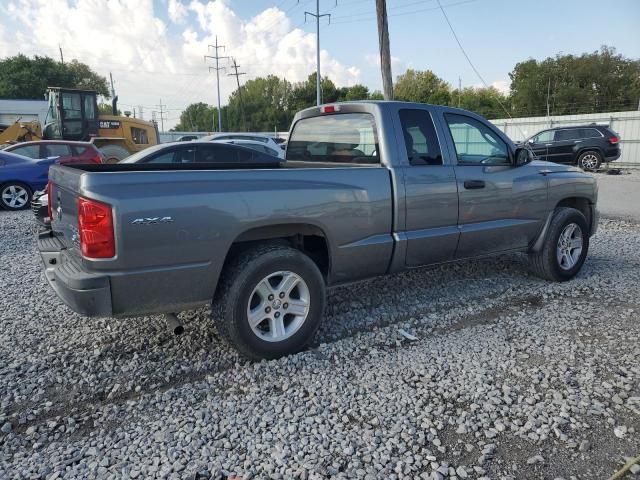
[{"x": 73, "y": 115}]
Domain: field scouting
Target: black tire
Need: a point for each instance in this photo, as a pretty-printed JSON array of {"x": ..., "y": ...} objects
[
  {"x": 238, "y": 281},
  {"x": 590, "y": 160},
  {"x": 545, "y": 263},
  {"x": 6, "y": 190},
  {"x": 114, "y": 153}
]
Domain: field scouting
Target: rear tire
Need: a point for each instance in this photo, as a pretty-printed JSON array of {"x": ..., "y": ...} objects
[
  {"x": 114, "y": 153},
  {"x": 590, "y": 161},
  {"x": 15, "y": 196},
  {"x": 270, "y": 301},
  {"x": 560, "y": 259}
]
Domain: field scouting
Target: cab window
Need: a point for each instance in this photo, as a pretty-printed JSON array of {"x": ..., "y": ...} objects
[
  {"x": 31, "y": 151},
  {"x": 420, "y": 139},
  {"x": 337, "y": 138},
  {"x": 475, "y": 142}
]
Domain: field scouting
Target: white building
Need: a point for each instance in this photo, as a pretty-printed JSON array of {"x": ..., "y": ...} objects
[{"x": 12, "y": 110}]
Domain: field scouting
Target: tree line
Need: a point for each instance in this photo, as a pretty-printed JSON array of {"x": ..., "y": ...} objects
[{"x": 593, "y": 82}]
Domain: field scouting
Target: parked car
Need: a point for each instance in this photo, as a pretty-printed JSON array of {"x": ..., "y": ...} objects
[
  {"x": 40, "y": 207},
  {"x": 587, "y": 146},
  {"x": 257, "y": 146},
  {"x": 20, "y": 177},
  {"x": 187, "y": 138},
  {"x": 267, "y": 140},
  {"x": 199, "y": 151},
  {"x": 66, "y": 151},
  {"x": 367, "y": 189}
]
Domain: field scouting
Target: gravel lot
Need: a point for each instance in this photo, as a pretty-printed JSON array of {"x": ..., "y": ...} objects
[{"x": 509, "y": 377}]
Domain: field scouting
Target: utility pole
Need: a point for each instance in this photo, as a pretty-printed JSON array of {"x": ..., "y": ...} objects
[
  {"x": 217, "y": 68},
  {"x": 459, "y": 90},
  {"x": 548, "y": 92},
  {"x": 141, "y": 112},
  {"x": 61, "y": 57},
  {"x": 237, "y": 74},
  {"x": 385, "y": 56},
  {"x": 161, "y": 112},
  {"x": 318, "y": 77}
]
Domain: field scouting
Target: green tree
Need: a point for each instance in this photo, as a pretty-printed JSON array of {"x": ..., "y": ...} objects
[
  {"x": 355, "y": 92},
  {"x": 376, "y": 95},
  {"x": 303, "y": 94},
  {"x": 423, "y": 87},
  {"x": 592, "y": 82},
  {"x": 265, "y": 102},
  {"x": 197, "y": 117},
  {"x": 488, "y": 102},
  {"x": 24, "y": 77}
]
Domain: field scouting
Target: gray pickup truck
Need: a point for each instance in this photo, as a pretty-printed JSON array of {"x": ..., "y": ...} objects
[{"x": 367, "y": 189}]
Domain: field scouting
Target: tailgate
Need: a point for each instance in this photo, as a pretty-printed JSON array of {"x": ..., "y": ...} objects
[{"x": 65, "y": 187}]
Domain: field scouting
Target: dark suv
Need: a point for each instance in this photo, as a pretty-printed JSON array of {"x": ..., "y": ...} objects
[{"x": 586, "y": 146}]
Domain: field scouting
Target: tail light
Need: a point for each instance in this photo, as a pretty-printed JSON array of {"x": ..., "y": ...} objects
[
  {"x": 49, "y": 202},
  {"x": 95, "y": 225},
  {"x": 97, "y": 159},
  {"x": 614, "y": 140}
]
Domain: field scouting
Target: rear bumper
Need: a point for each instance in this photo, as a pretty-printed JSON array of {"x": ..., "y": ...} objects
[
  {"x": 611, "y": 156},
  {"x": 86, "y": 293}
]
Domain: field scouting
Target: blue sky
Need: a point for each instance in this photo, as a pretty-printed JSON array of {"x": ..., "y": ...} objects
[
  {"x": 155, "y": 48},
  {"x": 496, "y": 33}
]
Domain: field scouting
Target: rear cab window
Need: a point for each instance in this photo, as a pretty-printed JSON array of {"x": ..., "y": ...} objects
[
  {"x": 348, "y": 138},
  {"x": 420, "y": 138}
]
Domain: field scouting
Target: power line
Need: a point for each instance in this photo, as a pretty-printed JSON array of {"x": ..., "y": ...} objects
[
  {"x": 162, "y": 112},
  {"x": 237, "y": 74},
  {"x": 317, "y": 16},
  {"x": 217, "y": 68},
  {"x": 338, "y": 21}
]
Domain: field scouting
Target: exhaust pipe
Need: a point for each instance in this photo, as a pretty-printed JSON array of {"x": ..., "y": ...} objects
[{"x": 174, "y": 324}]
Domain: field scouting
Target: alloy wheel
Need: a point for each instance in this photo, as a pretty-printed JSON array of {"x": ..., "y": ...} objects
[
  {"x": 570, "y": 244},
  {"x": 278, "y": 306},
  {"x": 15, "y": 196}
]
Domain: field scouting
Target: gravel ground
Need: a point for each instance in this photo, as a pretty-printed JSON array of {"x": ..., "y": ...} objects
[
  {"x": 619, "y": 195},
  {"x": 508, "y": 377}
]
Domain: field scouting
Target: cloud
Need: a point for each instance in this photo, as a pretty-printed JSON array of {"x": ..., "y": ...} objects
[
  {"x": 151, "y": 60},
  {"x": 177, "y": 11},
  {"x": 373, "y": 60},
  {"x": 503, "y": 86}
]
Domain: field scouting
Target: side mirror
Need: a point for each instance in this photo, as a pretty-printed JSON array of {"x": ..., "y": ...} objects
[
  {"x": 522, "y": 156},
  {"x": 530, "y": 141}
]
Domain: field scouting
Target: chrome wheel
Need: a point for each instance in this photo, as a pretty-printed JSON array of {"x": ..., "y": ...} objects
[
  {"x": 278, "y": 306},
  {"x": 15, "y": 196},
  {"x": 570, "y": 244},
  {"x": 589, "y": 161}
]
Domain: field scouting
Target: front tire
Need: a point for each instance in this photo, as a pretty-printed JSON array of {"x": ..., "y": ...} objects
[
  {"x": 15, "y": 196},
  {"x": 590, "y": 161},
  {"x": 565, "y": 246},
  {"x": 270, "y": 301}
]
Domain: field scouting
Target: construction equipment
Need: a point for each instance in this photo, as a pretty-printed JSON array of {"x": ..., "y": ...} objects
[{"x": 73, "y": 115}]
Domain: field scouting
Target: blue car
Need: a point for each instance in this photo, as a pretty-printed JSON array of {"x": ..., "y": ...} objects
[{"x": 20, "y": 177}]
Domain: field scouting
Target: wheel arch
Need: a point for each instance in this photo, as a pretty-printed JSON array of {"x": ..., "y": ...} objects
[
  {"x": 306, "y": 237},
  {"x": 583, "y": 204},
  {"x": 585, "y": 149}
]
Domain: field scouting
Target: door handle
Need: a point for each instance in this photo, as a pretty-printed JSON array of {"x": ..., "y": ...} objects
[
  {"x": 548, "y": 144},
  {"x": 473, "y": 184}
]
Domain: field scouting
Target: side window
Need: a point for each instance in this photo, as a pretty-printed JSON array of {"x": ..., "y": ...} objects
[
  {"x": 475, "y": 142},
  {"x": 89, "y": 108},
  {"x": 590, "y": 133},
  {"x": 185, "y": 155},
  {"x": 544, "y": 137},
  {"x": 337, "y": 138},
  {"x": 31, "y": 151},
  {"x": 139, "y": 136},
  {"x": 166, "y": 157},
  {"x": 567, "y": 134},
  {"x": 420, "y": 137},
  {"x": 219, "y": 153},
  {"x": 71, "y": 106},
  {"x": 54, "y": 150}
]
